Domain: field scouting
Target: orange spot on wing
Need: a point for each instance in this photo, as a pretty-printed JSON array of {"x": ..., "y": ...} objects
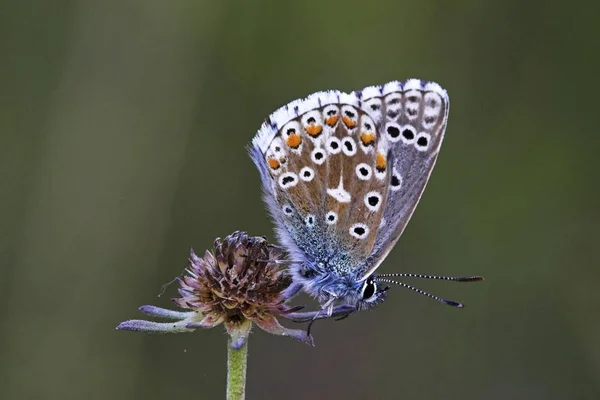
[
  {"x": 348, "y": 122},
  {"x": 367, "y": 138},
  {"x": 294, "y": 140},
  {"x": 314, "y": 130},
  {"x": 380, "y": 163},
  {"x": 331, "y": 121},
  {"x": 273, "y": 163}
]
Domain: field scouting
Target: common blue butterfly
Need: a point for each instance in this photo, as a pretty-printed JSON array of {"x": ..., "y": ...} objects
[{"x": 341, "y": 175}]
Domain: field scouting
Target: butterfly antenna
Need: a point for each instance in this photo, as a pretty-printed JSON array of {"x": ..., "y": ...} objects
[
  {"x": 424, "y": 293},
  {"x": 312, "y": 321},
  {"x": 441, "y": 278}
]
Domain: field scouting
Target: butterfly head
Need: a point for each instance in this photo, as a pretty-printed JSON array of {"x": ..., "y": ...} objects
[
  {"x": 373, "y": 290},
  {"x": 371, "y": 293}
]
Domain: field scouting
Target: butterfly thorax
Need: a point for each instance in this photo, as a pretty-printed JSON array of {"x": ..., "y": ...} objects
[{"x": 329, "y": 279}]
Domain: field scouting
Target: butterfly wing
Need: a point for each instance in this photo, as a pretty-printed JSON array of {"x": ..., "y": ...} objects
[
  {"x": 325, "y": 179},
  {"x": 343, "y": 173},
  {"x": 412, "y": 116}
]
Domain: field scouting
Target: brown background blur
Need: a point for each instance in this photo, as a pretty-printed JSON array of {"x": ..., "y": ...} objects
[{"x": 122, "y": 134}]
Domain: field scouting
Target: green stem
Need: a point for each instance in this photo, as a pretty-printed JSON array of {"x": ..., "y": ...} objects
[{"x": 236, "y": 371}]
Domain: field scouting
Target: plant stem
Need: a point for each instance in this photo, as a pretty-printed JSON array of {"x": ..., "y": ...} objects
[{"x": 236, "y": 371}]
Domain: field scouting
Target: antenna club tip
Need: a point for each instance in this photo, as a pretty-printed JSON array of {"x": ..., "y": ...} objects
[
  {"x": 454, "y": 303},
  {"x": 472, "y": 279}
]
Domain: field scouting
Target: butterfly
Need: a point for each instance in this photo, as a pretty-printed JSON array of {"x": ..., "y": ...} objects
[{"x": 341, "y": 176}]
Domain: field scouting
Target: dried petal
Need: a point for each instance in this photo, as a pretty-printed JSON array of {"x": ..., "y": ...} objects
[
  {"x": 154, "y": 311},
  {"x": 272, "y": 326},
  {"x": 153, "y": 327},
  {"x": 209, "y": 321}
]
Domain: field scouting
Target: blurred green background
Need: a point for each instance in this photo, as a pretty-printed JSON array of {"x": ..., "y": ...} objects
[{"x": 123, "y": 127}]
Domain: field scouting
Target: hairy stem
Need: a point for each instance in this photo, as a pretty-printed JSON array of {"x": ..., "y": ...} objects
[{"x": 236, "y": 371}]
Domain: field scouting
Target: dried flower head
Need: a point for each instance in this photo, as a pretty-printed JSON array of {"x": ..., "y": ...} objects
[{"x": 238, "y": 284}]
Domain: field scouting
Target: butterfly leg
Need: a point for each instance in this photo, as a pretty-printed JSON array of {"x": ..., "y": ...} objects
[
  {"x": 292, "y": 290},
  {"x": 337, "y": 312},
  {"x": 328, "y": 307}
]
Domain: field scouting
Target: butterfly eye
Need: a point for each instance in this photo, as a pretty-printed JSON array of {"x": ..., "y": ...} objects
[{"x": 368, "y": 289}]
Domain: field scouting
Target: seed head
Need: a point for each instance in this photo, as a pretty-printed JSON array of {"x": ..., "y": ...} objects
[{"x": 239, "y": 283}]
